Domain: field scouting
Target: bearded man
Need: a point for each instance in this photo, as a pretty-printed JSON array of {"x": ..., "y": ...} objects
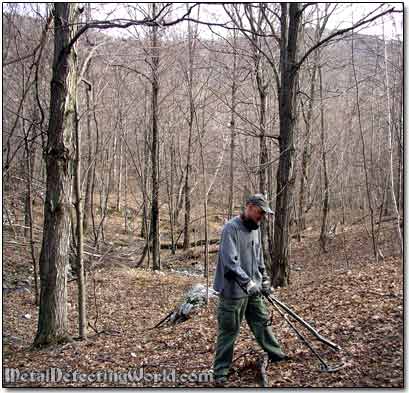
[{"x": 241, "y": 279}]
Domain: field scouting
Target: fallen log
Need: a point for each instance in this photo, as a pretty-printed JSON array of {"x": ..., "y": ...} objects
[
  {"x": 193, "y": 300},
  {"x": 389, "y": 219},
  {"x": 197, "y": 243}
]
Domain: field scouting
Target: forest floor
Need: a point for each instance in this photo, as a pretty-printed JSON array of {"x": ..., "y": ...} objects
[{"x": 351, "y": 299}]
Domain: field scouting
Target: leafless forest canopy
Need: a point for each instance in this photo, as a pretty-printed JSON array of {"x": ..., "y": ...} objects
[
  {"x": 154, "y": 136},
  {"x": 119, "y": 111}
]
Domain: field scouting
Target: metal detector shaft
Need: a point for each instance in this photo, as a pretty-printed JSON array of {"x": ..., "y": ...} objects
[
  {"x": 302, "y": 338},
  {"x": 273, "y": 300}
]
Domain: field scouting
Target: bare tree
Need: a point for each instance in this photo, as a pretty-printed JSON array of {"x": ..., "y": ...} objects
[
  {"x": 187, "y": 189},
  {"x": 52, "y": 320},
  {"x": 325, "y": 204},
  {"x": 233, "y": 125},
  {"x": 390, "y": 146},
  {"x": 155, "y": 147}
]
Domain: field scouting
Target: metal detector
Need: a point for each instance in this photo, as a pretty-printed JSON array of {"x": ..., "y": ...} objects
[{"x": 324, "y": 366}]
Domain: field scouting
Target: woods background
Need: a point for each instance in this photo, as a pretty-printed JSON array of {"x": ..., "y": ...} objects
[{"x": 145, "y": 133}]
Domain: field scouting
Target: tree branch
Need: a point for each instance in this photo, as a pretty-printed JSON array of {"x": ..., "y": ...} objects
[
  {"x": 125, "y": 23},
  {"x": 340, "y": 32}
]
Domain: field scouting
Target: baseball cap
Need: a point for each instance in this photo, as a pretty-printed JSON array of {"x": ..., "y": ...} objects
[{"x": 260, "y": 201}]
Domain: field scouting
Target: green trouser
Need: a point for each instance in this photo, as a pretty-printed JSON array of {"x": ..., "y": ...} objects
[{"x": 230, "y": 314}]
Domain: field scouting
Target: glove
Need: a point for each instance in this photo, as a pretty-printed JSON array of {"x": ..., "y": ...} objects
[
  {"x": 266, "y": 286},
  {"x": 252, "y": 288}
]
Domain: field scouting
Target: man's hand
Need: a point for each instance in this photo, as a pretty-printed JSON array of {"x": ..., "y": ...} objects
[
  {"x": 266, "y": 286},
  {"x": 252, "y": 288}
]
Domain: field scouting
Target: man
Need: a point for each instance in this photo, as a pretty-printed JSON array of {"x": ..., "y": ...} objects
[{"x": 241, "y": 279}]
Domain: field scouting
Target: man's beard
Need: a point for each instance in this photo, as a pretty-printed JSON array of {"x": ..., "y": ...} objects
[{"x": 250, "y": 224}]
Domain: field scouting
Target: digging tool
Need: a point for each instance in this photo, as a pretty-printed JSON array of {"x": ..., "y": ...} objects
[{"x": 324, "y": 366}]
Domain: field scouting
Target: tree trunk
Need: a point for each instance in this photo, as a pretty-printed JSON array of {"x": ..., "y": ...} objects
[
  {"x": 270, "y": 222},
  {"x": 145, "y": 225},
  {"x": 206, "y": 225},
  {"x": 126, "y": 224},
  {"x": 52, "y": 319},
  {"x": 186, "y": 230},
  {"x": 262, "y": 86},
  {"x": 82, "y": 293},
  {"x": 171, "y": 197},
  {"x": 156, "y": 265},
  {"x": 186, "y": 234},
  {"x": 262, "y": 170},
  {"x": 306, "y": 154},
  {"x": 290, "y": 20},
  {"x": 325, "y": 205},
  {"x": 29, "y": 222},
  {"x": 118, "y": 201},
  {"x": 119, "y": 184},
  {"x": 92, "y": 209},
  {"x": 90, "y": 164},
  {"x": 365, "y": 169},
  {"x": 390, "y": 148},
  {"x": 232, "y": 128}
]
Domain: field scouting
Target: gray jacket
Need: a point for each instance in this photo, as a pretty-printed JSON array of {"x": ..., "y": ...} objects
[{"x": 240, "y": 257}]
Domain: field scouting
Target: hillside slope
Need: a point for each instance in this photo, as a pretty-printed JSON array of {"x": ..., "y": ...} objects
[{"x": 359, "y": 307}]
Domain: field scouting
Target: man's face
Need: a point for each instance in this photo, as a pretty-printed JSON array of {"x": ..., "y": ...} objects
[{"x": 255, "y": 213}]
